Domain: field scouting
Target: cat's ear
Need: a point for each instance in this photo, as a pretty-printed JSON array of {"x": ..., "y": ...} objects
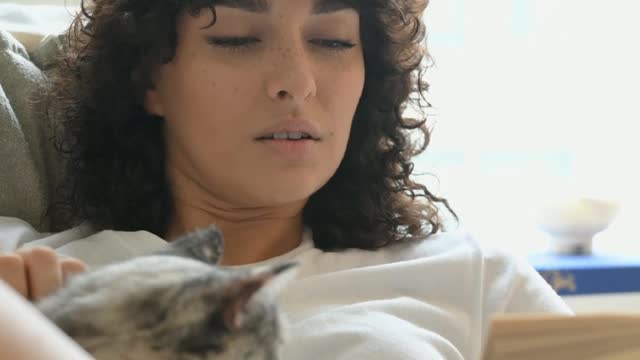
[
  {"x": 204, "y": 245},
  {"x": 265, "y": 281}
]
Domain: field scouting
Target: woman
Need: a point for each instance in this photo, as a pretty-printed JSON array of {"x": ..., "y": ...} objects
[{"x": 282, "y": 122}]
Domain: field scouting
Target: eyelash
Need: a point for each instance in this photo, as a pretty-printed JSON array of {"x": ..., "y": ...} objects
[{"x": 236, "y": 44}]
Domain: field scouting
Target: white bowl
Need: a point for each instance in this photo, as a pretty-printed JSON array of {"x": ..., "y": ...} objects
[{"x": 572, "y": 223}]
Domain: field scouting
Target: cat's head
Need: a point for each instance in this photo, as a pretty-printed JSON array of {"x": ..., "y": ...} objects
[{"x": 174, "y": 304}]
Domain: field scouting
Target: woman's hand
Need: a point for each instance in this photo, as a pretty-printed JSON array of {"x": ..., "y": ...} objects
[{"x": 38, "y": 271}]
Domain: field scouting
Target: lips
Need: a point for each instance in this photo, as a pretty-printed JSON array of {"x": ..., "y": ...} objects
[
  {"x": 291, "y": 150},
  {"x": 295, "y": 136},
  {"x": 291, "y": 126}
]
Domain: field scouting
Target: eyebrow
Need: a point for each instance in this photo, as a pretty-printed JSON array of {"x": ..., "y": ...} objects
[{"x": 264, "y": 6}]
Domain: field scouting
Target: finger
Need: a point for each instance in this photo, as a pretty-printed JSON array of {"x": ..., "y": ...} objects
[
  {"x": 12, "y": 271},
  {"x": 71, "y": 267},
  {"x": 43, "y": 272}
]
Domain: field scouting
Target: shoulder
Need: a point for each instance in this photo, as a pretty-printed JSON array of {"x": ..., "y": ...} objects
[
  {"x": 491, "y": 280},
  {"x": 452, "y": 252},
  {"x": 453, "y": 247},
  {"x": 507, "y": 282},
  {"x": 458, "y": 263},
  {"x": 464, "y": 248}
]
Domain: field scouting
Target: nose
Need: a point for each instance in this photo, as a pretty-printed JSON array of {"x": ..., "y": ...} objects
[{"x": 292, "y": 77}]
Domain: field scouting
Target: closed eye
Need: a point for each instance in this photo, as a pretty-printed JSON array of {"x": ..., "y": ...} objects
[
  {"x": 244, "y": 43},
  {"x": 334, "y": 44}
]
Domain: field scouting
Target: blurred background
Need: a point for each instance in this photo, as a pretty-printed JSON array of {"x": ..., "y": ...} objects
[{"x": 534, "y": 101}]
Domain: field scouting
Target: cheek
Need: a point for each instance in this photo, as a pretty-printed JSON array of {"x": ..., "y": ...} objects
[
  {"x": 208, "y": 99},
  {"x": 207, "y": 89},
  {"x": 342, "y": 104}
]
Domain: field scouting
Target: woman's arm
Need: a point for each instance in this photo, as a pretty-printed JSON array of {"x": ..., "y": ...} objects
[{"x": 27, "y": 335}]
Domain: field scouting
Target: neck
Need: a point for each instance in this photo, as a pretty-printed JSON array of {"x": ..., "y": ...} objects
[{"x": 250, "y": 235}]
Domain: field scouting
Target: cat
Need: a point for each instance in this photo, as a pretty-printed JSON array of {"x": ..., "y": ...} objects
[{"x": 174, "y": 304}]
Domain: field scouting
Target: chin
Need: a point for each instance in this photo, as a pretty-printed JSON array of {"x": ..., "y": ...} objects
[
  {"x": 288, "y": 188},
  {"x": 281, "y": 197},
  {"x": 286, "y": 199}
]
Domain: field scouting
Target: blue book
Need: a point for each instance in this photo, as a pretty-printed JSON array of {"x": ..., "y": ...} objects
[{"x": 588, "y": 274}]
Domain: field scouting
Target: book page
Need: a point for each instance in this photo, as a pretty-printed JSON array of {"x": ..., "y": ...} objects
[{"x": 612, "y": 336}]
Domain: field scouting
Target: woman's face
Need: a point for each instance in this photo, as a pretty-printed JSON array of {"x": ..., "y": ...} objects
[{"x": 255, "y": 68}]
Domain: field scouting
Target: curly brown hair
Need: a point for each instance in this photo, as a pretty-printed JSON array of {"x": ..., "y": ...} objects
[{"x": 115, "y": 150}]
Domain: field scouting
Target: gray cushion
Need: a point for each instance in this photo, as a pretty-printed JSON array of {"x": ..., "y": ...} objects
[{"x": 30, "y": 168}]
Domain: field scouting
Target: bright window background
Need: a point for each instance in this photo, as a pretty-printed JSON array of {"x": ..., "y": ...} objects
[{"x": 533, "y": 100}]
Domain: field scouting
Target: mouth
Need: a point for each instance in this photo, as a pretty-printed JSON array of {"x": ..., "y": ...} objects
[
  {"x": 288, "y": 136},
  {"x": 300, "y": 149}
]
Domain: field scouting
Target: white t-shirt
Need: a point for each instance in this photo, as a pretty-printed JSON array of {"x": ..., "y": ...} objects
[{"x": 431, "y": 299}]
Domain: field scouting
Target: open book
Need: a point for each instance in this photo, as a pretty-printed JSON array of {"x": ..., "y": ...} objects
[{"x": 549, "y": 337}]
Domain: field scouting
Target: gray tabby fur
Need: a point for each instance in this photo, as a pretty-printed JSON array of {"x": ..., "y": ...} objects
[{"x": 175, "y": 305}]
